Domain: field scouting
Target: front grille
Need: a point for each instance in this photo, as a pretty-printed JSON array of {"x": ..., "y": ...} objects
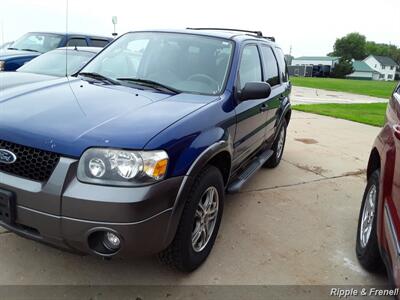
[{"x": 31, "y": 163}]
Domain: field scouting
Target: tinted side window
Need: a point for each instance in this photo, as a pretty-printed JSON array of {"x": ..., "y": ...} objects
[
  {"x": 282, "y": 64},
  {"x": 98, "y": 43},
  {"x": 271, "y": 74},
  {"x": 78, "y": 42},
  {"x": 250, "y": 66}
]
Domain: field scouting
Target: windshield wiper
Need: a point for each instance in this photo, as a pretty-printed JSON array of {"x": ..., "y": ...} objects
[
  {"x": 153, "y": 84},
  {"x": 12, "y": 48},
  {"x": 99, "y": 77},
  {"x": 30, "y": 50}
]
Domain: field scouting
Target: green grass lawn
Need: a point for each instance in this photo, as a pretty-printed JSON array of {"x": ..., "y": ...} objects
[
  {"x": 381, "y": 89},
  {"x": 368, "y": 113}
]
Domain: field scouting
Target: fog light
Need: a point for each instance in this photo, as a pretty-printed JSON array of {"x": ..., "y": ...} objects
[{"x": 111, "y": 241}]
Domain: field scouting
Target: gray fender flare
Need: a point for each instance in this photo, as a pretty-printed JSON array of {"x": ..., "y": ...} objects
[{"x": 200, "y": 162}]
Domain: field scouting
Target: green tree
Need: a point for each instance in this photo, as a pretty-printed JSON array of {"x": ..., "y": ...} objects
[
  {"x": 372, "y": 48},
  {"x": 355, "y": 46},
  {"x": 351, "y": 46},
  {"x": 343, "y": 68}
]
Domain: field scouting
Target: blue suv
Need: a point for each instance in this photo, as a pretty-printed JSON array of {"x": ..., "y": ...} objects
[
  {"x": 33, "y": 44},
  {"x": 133, "y": 154}
]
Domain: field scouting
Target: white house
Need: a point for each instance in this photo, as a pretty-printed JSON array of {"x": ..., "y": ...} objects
[
  {"x": 315, "y": 61},
  {"x": 363, "y": 71},
  {"x": 386, "y": 66}
]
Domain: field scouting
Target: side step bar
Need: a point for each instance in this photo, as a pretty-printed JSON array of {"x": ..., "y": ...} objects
[{"x": 249, "y": 171}]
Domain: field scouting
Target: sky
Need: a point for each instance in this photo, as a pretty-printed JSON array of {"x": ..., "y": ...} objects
[{"x": 308, "y": 27}]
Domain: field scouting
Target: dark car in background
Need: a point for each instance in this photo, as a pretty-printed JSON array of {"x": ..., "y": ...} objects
[
  {"x": 378, "y": 234},
  {"x": 51, "y": 65},
  {"x": 34, "y": 44}
]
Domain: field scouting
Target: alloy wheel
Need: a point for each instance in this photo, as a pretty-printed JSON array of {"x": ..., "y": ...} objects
[
  {"x": 368, "y": 215},
  {"x": 281, "y": 142},
  {"x": 205, "y": 219}
]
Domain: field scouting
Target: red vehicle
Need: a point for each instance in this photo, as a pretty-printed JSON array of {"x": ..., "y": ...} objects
[{"x": 378, "y": 234}]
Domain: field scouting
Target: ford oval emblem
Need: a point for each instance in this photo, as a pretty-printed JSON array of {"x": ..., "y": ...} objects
[{"x": 7, "y": 157}]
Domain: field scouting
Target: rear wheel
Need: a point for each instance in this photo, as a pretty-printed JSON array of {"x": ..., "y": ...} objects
[
  {"x": 199, "y": 222},
  {"x": 367, "y": 248},
  {"x": 277, "y": 147}
]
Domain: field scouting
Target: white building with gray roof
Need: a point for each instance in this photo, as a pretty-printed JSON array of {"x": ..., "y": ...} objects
[{"x": 384, "y": 65}]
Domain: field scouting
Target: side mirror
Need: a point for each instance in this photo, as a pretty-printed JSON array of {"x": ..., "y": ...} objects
[{"x": 255, "y": 90}]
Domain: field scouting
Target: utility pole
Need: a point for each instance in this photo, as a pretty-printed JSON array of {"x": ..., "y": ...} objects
[
  {"x": 2, "y": 31},
  {"x": 114, "y": 21}
]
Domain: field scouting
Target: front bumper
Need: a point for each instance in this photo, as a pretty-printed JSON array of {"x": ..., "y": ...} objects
[{"x": 65, "y": 212}]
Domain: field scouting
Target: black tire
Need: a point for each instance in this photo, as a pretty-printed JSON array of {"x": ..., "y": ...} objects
[
  {"x": 276, "y": 158},
  {"x": 368, "y": 255},
  {"x": 181, "y": 254}
]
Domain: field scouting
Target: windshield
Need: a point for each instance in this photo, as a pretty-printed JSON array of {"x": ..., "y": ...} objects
[
  {"x": 53, "y": 63},
  {"x": 185, "y": 62},
  {"x": 40, "y": 42}
]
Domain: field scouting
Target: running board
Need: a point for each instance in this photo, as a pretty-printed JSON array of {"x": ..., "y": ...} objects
[{"x": 250, "y": 170}]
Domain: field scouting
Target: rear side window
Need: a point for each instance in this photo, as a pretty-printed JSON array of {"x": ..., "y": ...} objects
[
  {"x": 77, "y": 42},
  {"x": 250, "y": 66},
  {"x": 98, "y": 43},
  {"x": 271, "y": 73},
  {"x": 282, "y": 64}
]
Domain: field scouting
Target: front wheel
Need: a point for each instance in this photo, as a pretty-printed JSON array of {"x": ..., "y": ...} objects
[
  {"x": 199, "y": 222},
  {"x": 277, "y": 147},
  {"x": 367, "y": 241}
]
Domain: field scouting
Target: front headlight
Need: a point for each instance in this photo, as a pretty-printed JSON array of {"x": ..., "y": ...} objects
[
  {"x": 2, "y": 65},
  {"x": 122, "y": 167}
]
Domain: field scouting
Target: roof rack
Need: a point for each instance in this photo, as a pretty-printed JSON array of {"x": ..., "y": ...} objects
[{"x": 257, "y": 33}]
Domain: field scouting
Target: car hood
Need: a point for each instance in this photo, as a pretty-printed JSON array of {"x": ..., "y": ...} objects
[
  {"x": 13, "y": 79},
  {"x": 68, "y": 116},
  {"x": 8, "y": 54}
]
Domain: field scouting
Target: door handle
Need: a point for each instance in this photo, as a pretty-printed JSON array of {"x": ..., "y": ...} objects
[
  {"x": 264, "y": 107},
  {"x": 396, "y": 130}
]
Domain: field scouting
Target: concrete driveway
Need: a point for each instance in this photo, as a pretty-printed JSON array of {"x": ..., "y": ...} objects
[
  {"x": 294, "y": 225},
  {"x": 303, "y": 95}
]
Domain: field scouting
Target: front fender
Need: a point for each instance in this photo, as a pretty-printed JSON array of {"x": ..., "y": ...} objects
[
  {"x": 187, "y": 139},
  {"x": 200, "y": 162},
  {"x": 197, "y": 139},
  {"x": 287, "y": 107},
  {"x": 203, "y": 148}
]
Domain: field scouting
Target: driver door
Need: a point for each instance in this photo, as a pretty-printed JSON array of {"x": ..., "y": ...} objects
[{"x": 251, "y": 115}]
